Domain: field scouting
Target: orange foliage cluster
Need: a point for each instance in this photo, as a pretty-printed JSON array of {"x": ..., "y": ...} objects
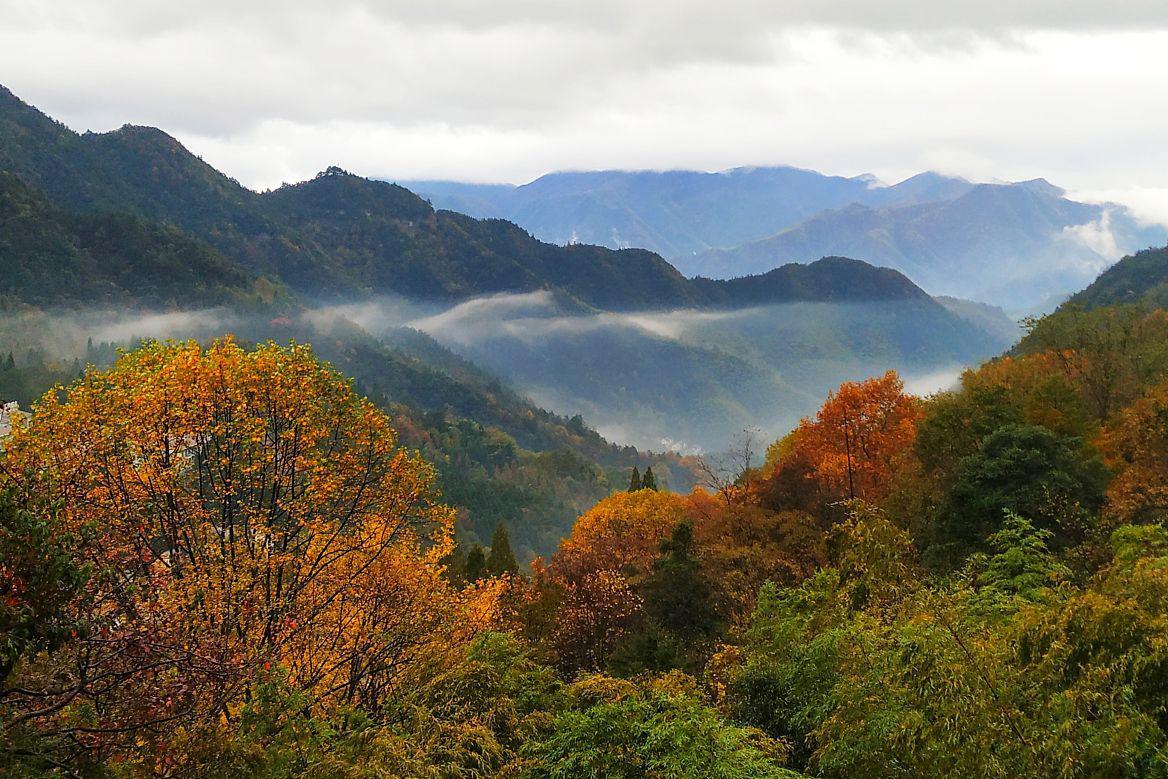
[
  {"x": 853, "y": 442},
  {"x": 1135, "y": 447},
  {"x": 244, "y": 511},
  {"x": 590, "y": 587}
]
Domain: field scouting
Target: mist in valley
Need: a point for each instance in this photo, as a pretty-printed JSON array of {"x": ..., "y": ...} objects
[{"x": 685, "y": 379}]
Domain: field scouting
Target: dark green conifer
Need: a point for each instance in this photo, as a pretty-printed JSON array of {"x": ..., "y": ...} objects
[
  {"x": 501, "y": 560},
  {"x": 476, "y": 563},
  {"x": 649, "y": 480},
  {"x": 635, "y": 480},
  {"x": 677, "y": 595}
]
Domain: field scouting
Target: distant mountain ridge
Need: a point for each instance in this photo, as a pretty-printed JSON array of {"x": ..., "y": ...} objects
[
  {"x": 1013, "y": 244},
  {"x": 342, "y": 235},
  {"x": 675, "y": 213},
  {"x": 1022, "y": 245}
]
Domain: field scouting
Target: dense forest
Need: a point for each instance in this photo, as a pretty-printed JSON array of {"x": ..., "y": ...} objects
[
  {"x": 328, "y": 545},
  {"x": 225, "y": 559}
]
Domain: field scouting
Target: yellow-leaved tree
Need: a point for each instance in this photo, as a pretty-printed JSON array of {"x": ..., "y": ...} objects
[{"x": 237, "y": 514}]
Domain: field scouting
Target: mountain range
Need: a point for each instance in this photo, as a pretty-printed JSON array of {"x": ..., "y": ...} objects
[
  {"x": 131, "y": 219},
  {"x": 1021, "y": 245},
  {"x": 340, "y": 235}
]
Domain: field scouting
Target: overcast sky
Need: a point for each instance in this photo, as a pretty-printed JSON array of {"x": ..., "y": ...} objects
[{"x": 505, "y": 90}]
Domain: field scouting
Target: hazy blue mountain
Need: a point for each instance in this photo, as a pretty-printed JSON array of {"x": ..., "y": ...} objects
[
  {"x": 1017, "y": 245},
  {"x": 988, "y": 318},
  {"x": 677, "y": 213},
  {"x": 674, "y": 213}
]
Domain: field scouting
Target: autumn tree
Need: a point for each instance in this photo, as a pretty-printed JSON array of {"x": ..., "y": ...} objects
[
  {"x": 242, "y": 511},
  {"x": 1135, "y": 445},
  {"x": 620, "y": 533},
  {"x": 856, "y": 436}
]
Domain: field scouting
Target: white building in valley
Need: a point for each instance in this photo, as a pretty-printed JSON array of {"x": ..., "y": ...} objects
[{"x": 9, "y": 413}]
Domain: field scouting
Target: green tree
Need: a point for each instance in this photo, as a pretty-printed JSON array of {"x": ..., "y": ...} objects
[
  {"x": 677, "y": 595},
  {"x": 662, "y": 731},
  {"x": 476, "y": 563},
  {"x": 635, "y": 480},
  {"x": 501, "y": 560},
  {"x": 1031, "y": 472},
  {"x": 38, "y": 580},
  {"x": 649, "y": 480}
]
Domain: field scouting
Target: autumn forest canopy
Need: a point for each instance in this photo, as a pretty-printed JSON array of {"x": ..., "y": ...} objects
[
  {"x": 281, "y": 495},
  {"x": 220, "y": 560}
]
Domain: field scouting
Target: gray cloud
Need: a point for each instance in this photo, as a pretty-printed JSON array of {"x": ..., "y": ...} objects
[{"x": 509, "y": 89}]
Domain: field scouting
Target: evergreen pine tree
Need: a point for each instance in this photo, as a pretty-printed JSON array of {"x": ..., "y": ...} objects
[
  {"x": 649, "y": 480},
  {"x": 476, "y": 563},
  {"x": 677, "y": 595},
  {"x": 635, "y": 481},
  {"x": 501, "y": 560},
  {"x": 455, "y": 563}
]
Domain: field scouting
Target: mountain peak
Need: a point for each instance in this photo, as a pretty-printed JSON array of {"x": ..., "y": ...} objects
[
  {"x": 144, "y": 135},
  {"x": 1041, "y": 186},
  {"x": 333, "y": 170}
]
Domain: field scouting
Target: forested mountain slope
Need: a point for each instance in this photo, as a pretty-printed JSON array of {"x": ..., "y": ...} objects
[
  {"x": 1139, "y": 278},
  {"x": 52, "y": 257},
  {"x": 342, "y": 235}
]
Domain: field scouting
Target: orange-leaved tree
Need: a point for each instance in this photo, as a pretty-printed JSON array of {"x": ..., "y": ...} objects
[
  {"x": 1135, "y": 448},
  {"x": 620, "y": 534},
  {"x": 247, "y": 513},
  {"x": 856, "y": 436}
]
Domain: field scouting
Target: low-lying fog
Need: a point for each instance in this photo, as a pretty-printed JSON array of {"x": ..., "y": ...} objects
[{"x": 684, "y": 379}]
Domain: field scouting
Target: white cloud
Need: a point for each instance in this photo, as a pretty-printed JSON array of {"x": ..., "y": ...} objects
[
  {"x": 926, "y": 384},
  {"x": 1147, "y": 204},
  {"x": 533, "y": 316},
  {"x": 1098, "y": 237},
  {"x": 506, "y": 90}
]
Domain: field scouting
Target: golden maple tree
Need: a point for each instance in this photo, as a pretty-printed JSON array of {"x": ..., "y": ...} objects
[
  {"x": 1135, "y": 448},
  {"x": 245, "y": 511}
]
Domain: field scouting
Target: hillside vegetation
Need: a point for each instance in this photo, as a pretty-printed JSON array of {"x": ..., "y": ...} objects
[{"x": 970, "y": 583}]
